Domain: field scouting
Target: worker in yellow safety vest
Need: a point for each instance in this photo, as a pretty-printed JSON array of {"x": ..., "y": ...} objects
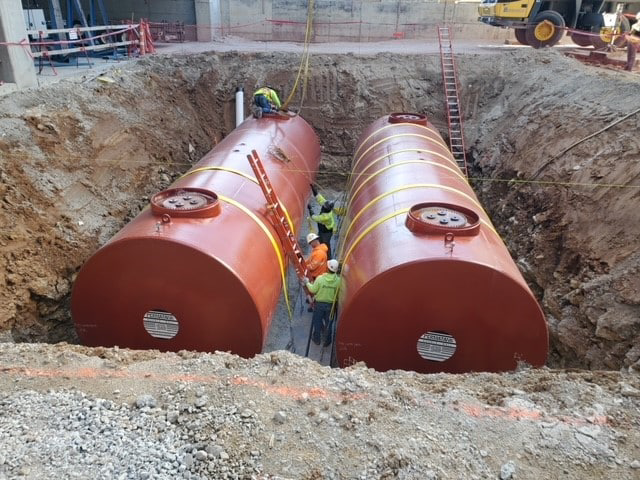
[
  {"x": 325, "y": 289},
  {"x": 266, "y": 101},
  {"x": 326, "y": 219},
  {"x": 633, "y": 43}
]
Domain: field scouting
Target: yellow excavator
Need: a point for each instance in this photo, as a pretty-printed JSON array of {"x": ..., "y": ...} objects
[{"x": 541, "y": 23}]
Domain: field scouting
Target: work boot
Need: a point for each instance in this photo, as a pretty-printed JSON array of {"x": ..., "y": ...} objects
[
  {"x": 316, "y": 338},
  {"x": 327, "y": 339},
  {"x": 257, "y": 112}
]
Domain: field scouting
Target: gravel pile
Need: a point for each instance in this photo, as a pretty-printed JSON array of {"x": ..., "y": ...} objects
[{"x": 74, "y": 412}]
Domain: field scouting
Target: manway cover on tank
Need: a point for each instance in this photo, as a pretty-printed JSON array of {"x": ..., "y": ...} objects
[
  {"x": 202, "y": 268},
  {"x": 429, "y": 284}
]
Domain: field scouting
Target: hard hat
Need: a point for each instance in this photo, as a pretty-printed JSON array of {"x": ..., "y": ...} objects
[
  {"x": 327, "y": 207},
  {"x": 311, "y": 237},
  {"x": 333, "y": 265}
]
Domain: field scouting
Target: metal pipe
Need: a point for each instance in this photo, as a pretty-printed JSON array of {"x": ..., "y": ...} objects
[
  {"x": 239, "y": 106},
  {"x": 429, "y": 284},
  {"x": 202, "y": 268}
]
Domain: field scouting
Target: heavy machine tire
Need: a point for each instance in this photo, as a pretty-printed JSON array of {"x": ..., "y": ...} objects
[
  {"x": 604, "y": 40},
  {"x": 582, "y": 39},
  {"x": 521, "y": 35},
  {"x": 546, "y": 29}
]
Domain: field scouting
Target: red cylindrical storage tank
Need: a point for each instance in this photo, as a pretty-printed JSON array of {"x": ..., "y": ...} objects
[
  {"x": 429, "y": 285},
  {"x": 201, "y": 269}
]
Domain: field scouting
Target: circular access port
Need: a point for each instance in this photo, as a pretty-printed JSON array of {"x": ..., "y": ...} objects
[
  {"x": 401, "y": 117},
  {"x": 186, "y": 202},
  {"x": 442, "y": 218},
  {"x": 161, "y": 324},
  {"x": 436, "y": 346}
]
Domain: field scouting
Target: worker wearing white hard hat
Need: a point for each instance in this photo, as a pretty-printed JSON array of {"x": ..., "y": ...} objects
[
  {"x": 317, "y": 261},
  {"x": 325, "y": 290}
]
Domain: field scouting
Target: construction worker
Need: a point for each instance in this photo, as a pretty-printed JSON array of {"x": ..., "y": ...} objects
[
  {"x": 317, "y": 261},
  {"x": 266, "y": 100},
  {"x": 633, "y": 43},
  {"x": 325, "y": 290},
  {"x": 326, "y": 219}
]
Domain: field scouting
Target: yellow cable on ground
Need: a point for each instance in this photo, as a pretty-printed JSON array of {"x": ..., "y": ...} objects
[{"x": 304, "y": 63}]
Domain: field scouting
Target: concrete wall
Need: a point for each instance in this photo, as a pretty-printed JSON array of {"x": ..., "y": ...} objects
[
  {"x": 334, "y": 20},
  {"x": 351, "y": 20}
]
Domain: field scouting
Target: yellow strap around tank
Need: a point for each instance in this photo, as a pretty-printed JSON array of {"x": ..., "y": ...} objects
[
  {"x": 371, "y": 227},
  {"x": 391, "y": 125},
  {"x": 416, "y": 185},
  {"x": 245, "y": 175},
  {"x": 271, "y": 238},
  {"x": 384, "y": 169},
  {"x": 437, "y": 141},
  {"x": 404, "y": 150}
]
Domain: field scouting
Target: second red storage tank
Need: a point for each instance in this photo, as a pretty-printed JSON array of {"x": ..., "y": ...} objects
[
  {"x": 202, "y": 268},
  {"x": 429, "y": 284}
]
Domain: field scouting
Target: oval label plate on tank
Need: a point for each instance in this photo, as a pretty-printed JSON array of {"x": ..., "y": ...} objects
[
  {"x": 160, "y": 324},
  {"x": 436, "y": 346}
]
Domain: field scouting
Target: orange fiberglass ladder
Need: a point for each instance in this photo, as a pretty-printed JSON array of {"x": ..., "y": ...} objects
[
  {"x": 279, "y": 219},
  {"x": 454, "y": 115}
]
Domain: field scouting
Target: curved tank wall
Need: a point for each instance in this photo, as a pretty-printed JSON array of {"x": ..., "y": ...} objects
[
  {"x": 428, "y": 283},
  {"x": 201, "y": 268}
]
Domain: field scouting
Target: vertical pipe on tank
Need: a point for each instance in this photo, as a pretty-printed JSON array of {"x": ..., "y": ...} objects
[{"x": 239, "y": 106}]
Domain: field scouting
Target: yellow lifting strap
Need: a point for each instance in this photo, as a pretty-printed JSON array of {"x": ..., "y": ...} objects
[
  {"x": 404, "y": 150},
  {"x": 388, "y": 167},
  {"x": 242, "y": 174},
  {"x": 406, "y": 187},
  {"x": 273, "y": 241},
  {"x": 435, "y": 140}
]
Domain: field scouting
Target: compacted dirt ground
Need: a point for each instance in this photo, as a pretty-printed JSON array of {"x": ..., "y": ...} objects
[{"x": 79, "y": 158}]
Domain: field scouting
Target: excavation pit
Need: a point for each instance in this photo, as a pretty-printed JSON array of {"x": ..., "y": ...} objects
[{"x": 79, "y": 159}]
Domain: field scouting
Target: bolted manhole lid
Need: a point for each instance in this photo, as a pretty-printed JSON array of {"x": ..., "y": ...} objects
[
  {"x": 443, "y": 216},
  {"x": 186, "y": 202},
  {"x": 438, "y": 218},
  {"x": 403, "y": 117}
]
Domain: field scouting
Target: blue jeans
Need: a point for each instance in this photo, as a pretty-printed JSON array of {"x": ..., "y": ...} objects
[
  {"x": 263, "y": 103},
  {"x": 320, "y": 319}
]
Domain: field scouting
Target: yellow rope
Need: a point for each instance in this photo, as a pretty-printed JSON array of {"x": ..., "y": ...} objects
[{"x": 304, "y": 62}]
